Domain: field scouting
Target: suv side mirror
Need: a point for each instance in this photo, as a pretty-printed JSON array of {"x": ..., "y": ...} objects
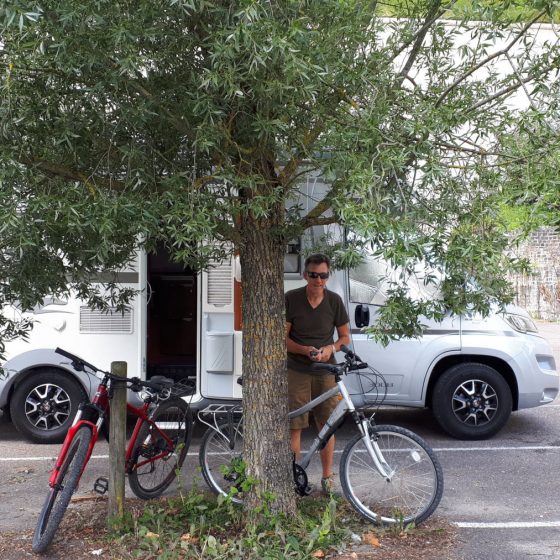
[{"x": 361, "y": 315}]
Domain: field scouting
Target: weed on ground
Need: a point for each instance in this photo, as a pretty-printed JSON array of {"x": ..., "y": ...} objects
[{"x": 198, "y": 526}]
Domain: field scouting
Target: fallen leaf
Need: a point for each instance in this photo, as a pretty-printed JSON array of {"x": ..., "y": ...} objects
[
  {"x": 187, "y": 537},
  {"x": 370, "y": 538},
  {"x": 318, "y": 554},
  {"x": 150, "y": 535}
]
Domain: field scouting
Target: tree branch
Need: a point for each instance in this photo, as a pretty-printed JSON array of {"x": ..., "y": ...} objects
[
  {"x": 315, "y": 216},
  {"x": 170, "y": 117},
  {"x": 432, "y": 16},
  {"x": 422, "y": 31},
  {"x": 68, "y": 174},
  {"x": 489, "y": 58},
  {"x": 286, "y": 175},
  {"x": 498, "y": 94},
  {"x": 319, "y": 221},
  {"x": 479, "y": 151}
]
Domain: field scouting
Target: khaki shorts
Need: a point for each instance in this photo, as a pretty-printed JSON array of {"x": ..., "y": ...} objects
[{"x": 304, "y": 387}]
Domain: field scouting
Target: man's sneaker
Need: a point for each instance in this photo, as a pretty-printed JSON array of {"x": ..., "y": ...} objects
[{"x": 327, "y": 485}]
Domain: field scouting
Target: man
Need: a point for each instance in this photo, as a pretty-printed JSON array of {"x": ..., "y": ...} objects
[{"x": 312, "y": 315}]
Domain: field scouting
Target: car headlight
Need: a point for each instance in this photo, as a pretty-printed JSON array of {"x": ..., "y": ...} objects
[{"x": 520, "y": 323}]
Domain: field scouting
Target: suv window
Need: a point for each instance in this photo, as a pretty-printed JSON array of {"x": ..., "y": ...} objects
[
  {"x": 371, "y": 280},
  {"x": 368, "y": 281}
]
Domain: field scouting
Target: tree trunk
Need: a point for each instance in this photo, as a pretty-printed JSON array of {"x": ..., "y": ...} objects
[{"x": 265, "y": 386}]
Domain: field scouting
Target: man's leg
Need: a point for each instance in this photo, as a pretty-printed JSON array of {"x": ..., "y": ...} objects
[
  {"x": 327, "y": 455},
  {"x": 299, "y": 393},
  {"x": 296, "y": 442},
  {"x": 320, "y": 385}
]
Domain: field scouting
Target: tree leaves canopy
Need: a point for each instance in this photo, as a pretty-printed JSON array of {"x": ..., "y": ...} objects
[{"x": 173, "y": 120}]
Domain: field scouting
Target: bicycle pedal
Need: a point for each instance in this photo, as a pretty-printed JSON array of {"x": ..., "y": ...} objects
[
  {"x": 101, "y": 485},
  {"x": 304, "y": 491}
]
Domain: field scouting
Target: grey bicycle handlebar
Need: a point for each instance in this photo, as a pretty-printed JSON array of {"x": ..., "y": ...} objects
[
  {"x": 353, "y": 363},
  {"x": 328, "y": 367}
]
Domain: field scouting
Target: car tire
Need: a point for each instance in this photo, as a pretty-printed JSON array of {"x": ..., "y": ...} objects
[
  {"x": 44, "y": 404},
  {"x": 471, "y": 401}
]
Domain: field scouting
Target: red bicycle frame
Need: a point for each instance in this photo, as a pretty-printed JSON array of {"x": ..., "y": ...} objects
[
  {"x": 142, "y": 414},
  {"x": 101, "y": 403}
]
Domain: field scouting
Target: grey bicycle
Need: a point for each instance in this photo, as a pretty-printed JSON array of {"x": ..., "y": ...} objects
[{"x": 388, "y": 473}]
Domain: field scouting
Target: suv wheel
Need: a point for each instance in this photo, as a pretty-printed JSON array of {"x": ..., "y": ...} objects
[
  {"x": 44, "y": 404},
  {"x": 471, "y": 401}
]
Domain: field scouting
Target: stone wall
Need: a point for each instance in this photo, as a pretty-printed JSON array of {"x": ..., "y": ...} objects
[{"x": 539, "y": 292}]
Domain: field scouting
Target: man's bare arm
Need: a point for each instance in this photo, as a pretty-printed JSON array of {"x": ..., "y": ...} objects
[{"x": 343, "y": 340}]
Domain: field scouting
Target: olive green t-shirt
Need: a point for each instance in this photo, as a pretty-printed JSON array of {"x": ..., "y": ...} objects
[{"x": 312, "y": 327}]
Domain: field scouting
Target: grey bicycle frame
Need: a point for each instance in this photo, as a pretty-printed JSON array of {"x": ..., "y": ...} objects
[{"x": 342, "y": 408}]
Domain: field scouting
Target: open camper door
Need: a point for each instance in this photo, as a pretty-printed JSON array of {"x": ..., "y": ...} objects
[
  {"x": 170, "y": 317},
  {"x": 220, "y": 342}
]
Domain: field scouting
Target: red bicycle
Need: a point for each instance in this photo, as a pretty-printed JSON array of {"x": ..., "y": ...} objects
[{"x": 156, "y": 450}]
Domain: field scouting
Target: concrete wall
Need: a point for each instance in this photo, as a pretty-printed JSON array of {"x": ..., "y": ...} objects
[{"x": 539, "y": 292}]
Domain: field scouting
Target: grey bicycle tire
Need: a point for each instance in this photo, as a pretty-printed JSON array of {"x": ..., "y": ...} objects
[
  {"x": 400, "y": 500},
  {"x": 173, "y": 410},
  {"x": 214, "y": 446},
  {"x": 53, "y": 511}
]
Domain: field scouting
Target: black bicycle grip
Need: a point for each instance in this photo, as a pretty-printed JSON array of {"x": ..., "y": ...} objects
[
  {"x": 349, "y": 353},
  {"x": 75, "y": 359}
]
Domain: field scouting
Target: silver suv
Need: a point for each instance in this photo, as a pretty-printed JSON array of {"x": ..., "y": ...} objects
[{"x": 471, "y": 372}]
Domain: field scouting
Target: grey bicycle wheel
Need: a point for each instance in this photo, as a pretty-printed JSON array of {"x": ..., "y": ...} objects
[
  {"x": 59, "y": 497},
  {"x": 414, "y": 488},
  {"x": 221, "y": 460},
  {"x": 156, "y": 462}
]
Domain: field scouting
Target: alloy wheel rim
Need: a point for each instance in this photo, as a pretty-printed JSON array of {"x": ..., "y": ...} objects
[
  {"x": 47, "y": 406},
  {"x": 474, "y": 402}
]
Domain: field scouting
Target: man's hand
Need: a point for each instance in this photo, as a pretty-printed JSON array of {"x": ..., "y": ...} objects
[
  {"x": 315, "y": 354},
  {"x": 325, "y": 353}
]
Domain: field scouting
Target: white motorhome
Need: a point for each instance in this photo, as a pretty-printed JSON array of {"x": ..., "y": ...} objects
[{"x": 471, "y": 371}]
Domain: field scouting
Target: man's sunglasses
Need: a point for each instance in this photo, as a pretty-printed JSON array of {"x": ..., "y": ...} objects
[{"x": 321, "y": 275}]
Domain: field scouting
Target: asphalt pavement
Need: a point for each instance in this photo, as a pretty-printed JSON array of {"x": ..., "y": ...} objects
[{"x": 502, "y": 493}]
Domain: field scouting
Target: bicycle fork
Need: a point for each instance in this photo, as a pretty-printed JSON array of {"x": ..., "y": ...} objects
[
  {"x": 368, "y": 436},
  {"x": 370, "y": 441}
]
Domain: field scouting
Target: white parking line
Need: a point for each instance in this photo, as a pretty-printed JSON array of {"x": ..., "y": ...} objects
[
  {"x": 436, "y": 449},
  {"x": 501, "y": 448},
  {"x": 506, "y": 525},
  {"x": 4, "y": 459}
]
